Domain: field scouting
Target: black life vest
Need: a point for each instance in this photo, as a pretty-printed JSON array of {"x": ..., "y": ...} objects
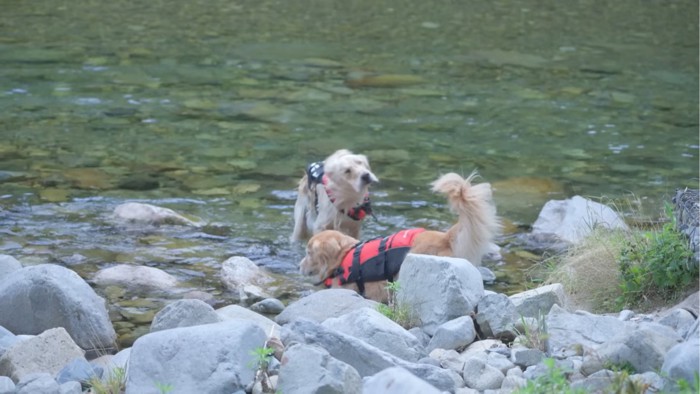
[{"x": 374, "y": 260}]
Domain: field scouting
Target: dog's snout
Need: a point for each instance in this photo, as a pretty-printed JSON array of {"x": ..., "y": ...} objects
[{"x": 367, "y": 177}]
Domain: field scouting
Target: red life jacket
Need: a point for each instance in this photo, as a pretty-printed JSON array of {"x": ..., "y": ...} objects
[{"x": 374, "y": 260}]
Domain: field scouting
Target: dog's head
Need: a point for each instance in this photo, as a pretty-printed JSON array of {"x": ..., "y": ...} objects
[
  {"x": 349, "y": 172},
  {"x": 325, "y": 252}
]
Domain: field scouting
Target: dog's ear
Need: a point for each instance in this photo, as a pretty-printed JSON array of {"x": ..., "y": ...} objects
[{"x": 331, "y": 249}]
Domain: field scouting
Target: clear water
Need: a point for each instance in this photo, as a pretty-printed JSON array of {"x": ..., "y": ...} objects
[{"x": 221, "y": 104}]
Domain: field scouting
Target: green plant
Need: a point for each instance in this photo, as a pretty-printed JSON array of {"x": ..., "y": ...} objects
[
  {"x": 553, "y": 382},
  {"x": 114, "y": 383},
  {"x": 533, "y": 337},
  {"x": 655, "y": 263},
  {"x": 685, "y": 387},
  {"x": 261, "y": 357},
  {"x": 397, "y": 311},
  {"x": 164, "y": 388}
]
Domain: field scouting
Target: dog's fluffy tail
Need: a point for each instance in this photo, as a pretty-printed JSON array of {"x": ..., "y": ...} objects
[{"x": 477, "y": 224}]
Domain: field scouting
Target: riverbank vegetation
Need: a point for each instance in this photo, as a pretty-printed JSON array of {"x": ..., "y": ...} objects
[{"x": 644, "y": 268}]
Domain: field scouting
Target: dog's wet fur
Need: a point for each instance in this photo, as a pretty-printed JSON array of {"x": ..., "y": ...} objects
[{"x": 349, "y": 177}]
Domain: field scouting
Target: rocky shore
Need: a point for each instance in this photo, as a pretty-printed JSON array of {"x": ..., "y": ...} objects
[{"x": 56, "y": 333}]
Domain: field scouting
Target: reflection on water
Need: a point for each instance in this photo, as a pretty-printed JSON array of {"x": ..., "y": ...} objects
[{"x": 214, "y": 108}]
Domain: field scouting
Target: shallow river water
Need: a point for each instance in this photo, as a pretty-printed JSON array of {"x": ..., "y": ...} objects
[{"x": 214, "y": 108}]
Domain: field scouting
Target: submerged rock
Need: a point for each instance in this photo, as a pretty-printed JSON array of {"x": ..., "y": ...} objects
[{"x": 150, "y": 214}]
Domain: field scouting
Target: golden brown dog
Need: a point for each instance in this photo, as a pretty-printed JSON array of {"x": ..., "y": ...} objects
[
  {"x": 334, "y": 257},
  {"x": 333, "y": 195}
]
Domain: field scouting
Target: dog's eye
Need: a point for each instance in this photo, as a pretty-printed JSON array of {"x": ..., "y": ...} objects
[{"x": 348, "y": 171}]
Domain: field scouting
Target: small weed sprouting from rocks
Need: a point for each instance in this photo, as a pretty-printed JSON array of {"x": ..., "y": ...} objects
[
  {"x": 164, "y": 388},
  {"x": 398, "y": 312},
  {"x": 554, "y": 381},
  {"x": 533, "y": 337},
  {"x": 114, "y": 384}
]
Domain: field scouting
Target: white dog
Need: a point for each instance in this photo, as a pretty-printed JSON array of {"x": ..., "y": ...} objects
[{"x": 333, "y": 195}]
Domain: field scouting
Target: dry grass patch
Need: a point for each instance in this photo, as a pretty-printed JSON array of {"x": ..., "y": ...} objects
[{"x": 590, "y": 272}]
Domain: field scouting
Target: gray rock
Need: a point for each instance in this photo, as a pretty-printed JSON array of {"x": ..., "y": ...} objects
[
  {"x": 324, "y": 304},
  {"x": 269, "y": 306},
  {"x": 79, "y": 370},
  {"x": 643, "y": 348},
  {"x": 397, "y": 380},
  {"x": 365, "y": 358},
  {"x": 595, "y": 383},
  {"x": 8, "y": 264},
  {"x": 625, "y": 315},
  {"x": 245, "y": 279},
  {"x": 481, "y": 376},
  {"x": 538, "y": 302},
  {"x": 110, "y": 363},
  {"x": 692, "y": 331},
  {"x": 496, "y": 316},
  {"x": 439, "y": 289},
  {"x": 44, "y": 296},
  {"x": 310, "y": 369},
  {"x": 679, "y": 319},
  {"x": 184, "y": 313},
  {"x": 682, "y": 360},
  {"x": 422, "y": 337},
  {"x": 454, "y": 334},
  {"x": 237, "y": 312},
  {"x": 7, "y": 339},
  {"x": 214, "y": 358},
  {"x": 486, "y": 275},
  {"x": 512, "y": 383},
  {"x": 7, "y": 386},
  {"x": 569, "y": 330},
  {"x": 654, "y": 382},
  {"x": 37, "y": 383},
  {"x": 573, "y": 219},
  {"x": 448, "y": 359},
  {"x": 48, "y": 352},
  {"x": 379, "y": 331},
  {"x": 150, "y": 214},
  {"x": 137, "y": 277},
  {"x": 524, "y": 357},
  {"x": 70, "y": 388},
  {"x": 499, "y": 361}
]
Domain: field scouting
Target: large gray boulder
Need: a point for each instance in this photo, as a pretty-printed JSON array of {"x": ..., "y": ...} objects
[
  {"x": 567, "y": 331},
  {"x": 397, "y": 380},
  {"x": 682, "y": 361},
  {"x": 365, "y": 358},
  {"x": 455, "y": 334},
  {"x": 135, "y": 277},
  {"x": 245, "y": 279},
  {"x": 574, "y": 219},
  {"x": 237, "y": 312},
  {"x": 378, "y": 330},
  {"x": 537, "y": 302},
  {"x": 49, "y": 352},
  {"x": 8, "y": 264},
  {"x": 184, "y": 313},
  {"x": 45, "y": 296},
  {"x": 644, "y": 347},
  {"x": 496, "y": 315},
  {"x": 38, "y": 383},
  {"x": 439, "y": 289},
  {"x": 213, "y": 358},
  {"x": 324, "y": 304},
  {"x": 310, "y": 369}
]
